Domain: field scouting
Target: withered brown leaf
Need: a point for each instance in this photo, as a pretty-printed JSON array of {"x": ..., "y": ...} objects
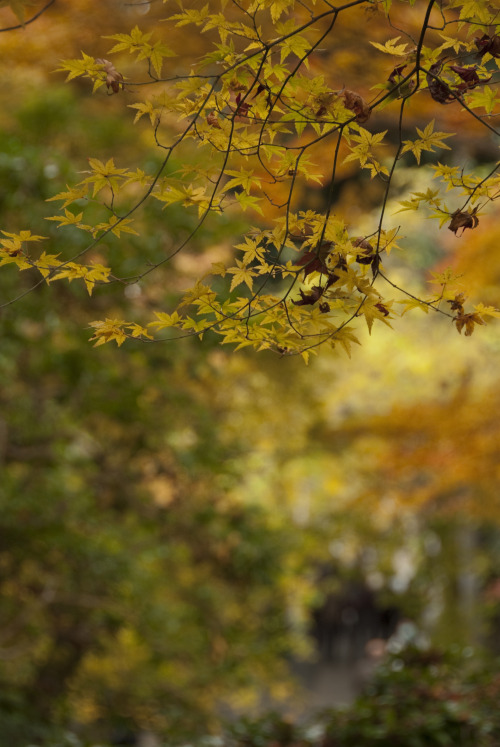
[
  {"x": 242, "y": 107},
  {"x": 463, "y": 220},
  {"x": 383, "y": 309},
  {"x": 315, "y": 260},
  {"x": 439, "y": 91},
  {"x": 469, "y": 76},
  {"x": 213, "y": 121},
  {"x": 307, "y": 299},
  {"x": 468, "y": 321},
  {"x": 458, "y": 303},
  {"x": 365, "y": 257},
  {"x": 356, "y": 103},
  {"x": 311, "y": 262},
  {"x": 114, "y": 79},
  {"x": 396, "y": 73},
  {"x": 488, "y": 44}
]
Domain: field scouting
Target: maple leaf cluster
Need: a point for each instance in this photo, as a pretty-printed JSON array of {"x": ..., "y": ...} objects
[{"x": 259, "y": 107}]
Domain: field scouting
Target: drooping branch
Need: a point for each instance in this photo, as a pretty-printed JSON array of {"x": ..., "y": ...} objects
[
  {"x": 30, "y": 20},
  {"x": 260, "y": 114}
]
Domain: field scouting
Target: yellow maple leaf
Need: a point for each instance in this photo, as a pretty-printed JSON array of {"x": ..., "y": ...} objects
[
  {"x": 428, "y": 140},
  {"x": 390, "y": 47},
  {"x": 242, "y": 274}
]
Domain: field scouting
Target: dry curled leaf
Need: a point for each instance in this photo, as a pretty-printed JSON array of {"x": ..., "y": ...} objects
[
  {"x": 315, "y": 260},
  {"x": 308, "y": 299},
  {"x": 301, "y": 234},
  {"x": 236, "y": 85},
  {"x": 488, "y": 45},
  {"x": 468, "y": 321},
  {"x": 463, "y": 220},
  {"x": 383, "y": 309},
  {"x": 311, "y": 262},
  {"x": 458, "y": 303},
  {"x": 114, "y": 79},
  {"x": 439, "y": 91},
  {"x": 322, "y": 102},
  {"x": 356, "y": 103},
  {"x": 396, "y": 74},
  {"x": 365, "y": 257},
  {"x": 242, "y": 107},
  {"x": 261, "y": 88},
  {"x": 368, "y": 255},
  {"x": 213, "y": 121},
  {"x": 469, "y": 76}
]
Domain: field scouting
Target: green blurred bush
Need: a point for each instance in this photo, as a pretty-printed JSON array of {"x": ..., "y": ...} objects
[{"x": 417, "y": 698}]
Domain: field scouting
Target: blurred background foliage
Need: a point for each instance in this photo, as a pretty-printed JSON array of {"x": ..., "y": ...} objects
[{"x": 172, "y": 515}]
